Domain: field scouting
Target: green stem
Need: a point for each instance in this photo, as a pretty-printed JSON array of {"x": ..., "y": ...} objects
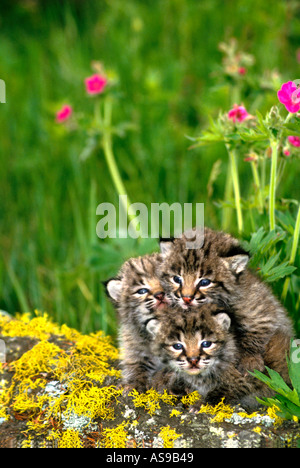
[
  {"x": 227, "y": 211},
  {"x": 257, "y": 185},
  {"x": 272, "y": 193},
  {"x": 293, "y": 253},
  {"x": 236, "y": 188},
  {"x": 108, "y": 152},
  {"x": 111, "y": 162}
]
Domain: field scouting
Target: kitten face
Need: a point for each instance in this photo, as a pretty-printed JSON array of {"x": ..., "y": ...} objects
[
  {"x": 191, "y": 343},
  {"x": 138, "y": 290},
  {"x": 191, "y": 277}
]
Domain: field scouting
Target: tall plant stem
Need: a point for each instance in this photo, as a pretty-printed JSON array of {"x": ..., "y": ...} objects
[
  {"x": 112, "y": 165},
  {"x": 227, "y": 211},
  {"x": 236, "y": 188},
  {"x": 293, "y": 253},
  {"x": 108, "y": 151},
  {"x": 272, "y": 193},
  {"x": 258, "y": 185}
]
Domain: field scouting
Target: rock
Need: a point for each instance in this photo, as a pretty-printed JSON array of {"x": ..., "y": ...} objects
[{"x": 59, "y": 388}]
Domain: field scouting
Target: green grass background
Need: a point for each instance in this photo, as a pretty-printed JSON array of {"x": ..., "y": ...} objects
[{"x": 165, "y": 53}]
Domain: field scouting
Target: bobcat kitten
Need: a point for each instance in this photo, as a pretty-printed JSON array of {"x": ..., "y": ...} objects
[
  {"x": 217, "y": 272},
  {"x": 197, "y": 351},
  {"x": 137, "y": 295}
]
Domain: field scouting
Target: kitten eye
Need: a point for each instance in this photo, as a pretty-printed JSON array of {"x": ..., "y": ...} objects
[
  {"x": 142, "y": 291},
  {"x": 177, "y": 279},
  {"x": 204, "y": 283},
  {"x": 178, "y": 346},
  {"x": 206, "y": 344}
]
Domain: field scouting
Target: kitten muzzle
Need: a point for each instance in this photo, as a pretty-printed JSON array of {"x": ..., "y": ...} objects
[
  {"x": 187, "y": 299},
  {"x": 159, "y": 296}
]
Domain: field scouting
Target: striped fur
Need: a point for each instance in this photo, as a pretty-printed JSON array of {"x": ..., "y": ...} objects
[
  {"x": 259, "y": 318},
  {"x": 207, "y": 357},
  {"x": 135, "y": 310}
]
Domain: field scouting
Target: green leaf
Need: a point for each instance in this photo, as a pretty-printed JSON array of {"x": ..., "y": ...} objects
[
  {"x": 275, "y": 382},
  {"x": 289, "y": 406},
  {"x": 280, "y": 271},
  {"x": 206, "y": 138},
  {"x": 251, "y": 135}
]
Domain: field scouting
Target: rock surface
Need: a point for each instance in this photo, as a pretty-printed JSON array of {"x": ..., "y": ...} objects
[{"x": 59, "y": 388}]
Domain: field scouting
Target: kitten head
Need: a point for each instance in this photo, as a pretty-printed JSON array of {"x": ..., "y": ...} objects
[
  {"x": 137, "y": 289},
  {"x": 193, "y": 343},
  {"x": 191, "y": 277}
]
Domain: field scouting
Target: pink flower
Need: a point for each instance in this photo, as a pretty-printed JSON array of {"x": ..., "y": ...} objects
[
  {"x": 286, "y": 152},
  {"x": 242, "y": 70},
  {"x": 64, "y": 114},
  {"x": 238, "y": 113},
  {"x": 294, "y": 140},
  {"x": 289, "y": 95},
  {"x": 95, "y": 84}
]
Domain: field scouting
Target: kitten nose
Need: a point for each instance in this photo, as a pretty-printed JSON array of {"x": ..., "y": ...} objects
[
  {"x": 160, "y": 295},
  {"x": 193, "y": 361},
  {"x": 187, "y": 299}
]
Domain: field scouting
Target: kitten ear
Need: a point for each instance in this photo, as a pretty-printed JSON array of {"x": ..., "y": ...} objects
[
  {"x": 114, "y": 289},
  {"x": 166, "y": 245},
  {"x": 224, "y": 320},
  {"x": 153, "y": 326},
  {"x": 237, "y": 264}
]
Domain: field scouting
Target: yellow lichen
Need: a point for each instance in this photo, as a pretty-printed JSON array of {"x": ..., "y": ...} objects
[
  {"x": 70, "y": 439},
  {"x": 115, "y": 437},
  {"x": 221, "y": 411},
  {"x": 191, "y": 398},
  {"x": 175, "y": 413},
  {"x": 37, "y": 360},
  {"x": 272, "y": 412},
  {"x": 150, "y": 400},
  {"x": 79, "y": 370},
  {"x": 168, "y": 436},
  {"x": 27, "y": 443},
  {"x": 257, "y": 429},
  {"x": 39, "y": 327},
  {"x": 247, "y": 415}
]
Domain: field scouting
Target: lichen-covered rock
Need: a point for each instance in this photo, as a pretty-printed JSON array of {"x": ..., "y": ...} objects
[{"x": 59, "y": 388}]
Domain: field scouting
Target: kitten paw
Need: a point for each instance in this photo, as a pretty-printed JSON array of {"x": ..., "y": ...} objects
[{"x": 194, "y": 409}]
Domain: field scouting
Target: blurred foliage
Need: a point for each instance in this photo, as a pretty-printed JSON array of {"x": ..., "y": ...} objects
[{"x": 167, "y": 57}]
